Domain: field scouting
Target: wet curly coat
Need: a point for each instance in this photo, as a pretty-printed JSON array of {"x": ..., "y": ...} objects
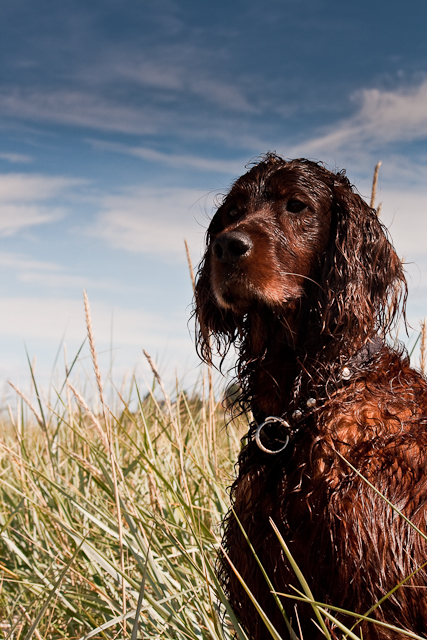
[{"x": 299, "y": 275}]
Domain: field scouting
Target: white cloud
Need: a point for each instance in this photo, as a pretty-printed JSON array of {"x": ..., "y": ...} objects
[
  {"x": 394, "y": 115},
  {"x": 44, "y": 318},
  {"x": 16, "y": 157},
  {"x": 51, "y": 275},
  {"x": 19, "y": 262},
  {"x": 92, "y": 110},
  {"x": 86, "y": 108},
  {"x": 25, "y": 200},
  {"x": 154, "y": 221},
  {"x": 174, "y": 160},
  {"x": 130, "y": 92},
  {"x": 226, "y": 95},
  {"x": 15, "y": 217},
  {"x": 405, "y": 214},
  {"x": 383, "y": 117},
  {"x": 29, "y": 186},
  {"x": 141, "y": 219},
  {"x": 81, "y": 108},
  {"x": 29, "y": 318},
  {"x": 151, "y": 73},
  {"x": 174, "y": 70}
]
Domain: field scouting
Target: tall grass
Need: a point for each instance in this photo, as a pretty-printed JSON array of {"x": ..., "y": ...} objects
[{"x": 109, "y": 515}]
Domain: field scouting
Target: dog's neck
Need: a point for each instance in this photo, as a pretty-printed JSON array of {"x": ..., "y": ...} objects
[
  {"x": 274, "y": 345},
  {"x": 285, "y": 349}
]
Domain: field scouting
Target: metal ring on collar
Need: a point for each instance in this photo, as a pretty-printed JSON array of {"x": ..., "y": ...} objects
[{"x": 269, "y": 420}]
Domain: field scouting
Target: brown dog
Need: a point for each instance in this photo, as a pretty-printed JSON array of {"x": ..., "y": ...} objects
[{"x": 300, "y": 276}]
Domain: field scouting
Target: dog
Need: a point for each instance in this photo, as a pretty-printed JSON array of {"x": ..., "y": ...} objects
[{"x": 299, "y": 275}]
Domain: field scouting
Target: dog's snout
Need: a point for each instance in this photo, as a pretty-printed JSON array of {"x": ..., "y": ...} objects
[{"x": 230, "y": 247}]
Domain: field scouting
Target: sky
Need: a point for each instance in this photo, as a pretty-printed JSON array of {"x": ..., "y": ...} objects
[{"x": 121, "y": 122}]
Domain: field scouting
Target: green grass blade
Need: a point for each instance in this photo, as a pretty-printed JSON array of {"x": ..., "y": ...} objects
[
  {"x": 50, "y": 596},
  {"x": 303, "y": 582}
]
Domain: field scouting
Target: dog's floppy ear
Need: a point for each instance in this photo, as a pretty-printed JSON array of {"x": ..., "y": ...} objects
[
  {"x": 216, "y": 328},
  {"x": 364, "y": 281}
]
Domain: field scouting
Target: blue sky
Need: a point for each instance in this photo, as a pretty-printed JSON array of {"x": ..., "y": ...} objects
[{"x": 121, "y": 122}]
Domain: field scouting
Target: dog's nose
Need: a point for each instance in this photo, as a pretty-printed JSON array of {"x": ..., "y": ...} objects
[{"x": 229, "y": 247}]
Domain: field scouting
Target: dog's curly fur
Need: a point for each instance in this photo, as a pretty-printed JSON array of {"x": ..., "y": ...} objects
[{"x": 299, "y": 275}]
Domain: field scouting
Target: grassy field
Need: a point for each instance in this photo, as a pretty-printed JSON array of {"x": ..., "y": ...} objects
[
  {"x": 109, "y": 515},
  {"x": 110, "y": 512}
]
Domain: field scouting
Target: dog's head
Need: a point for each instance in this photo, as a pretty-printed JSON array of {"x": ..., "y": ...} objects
[{"x": 289, "y": 231}]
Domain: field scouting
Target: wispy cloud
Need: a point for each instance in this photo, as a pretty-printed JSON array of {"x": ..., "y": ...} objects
[
  {"x": 94, "y": 109},
  {"x": 29, "y": 199},
  {"x": 230, "y": 97},
  {"x": 14, "y": 218},
  {"x": 165, "y": 88},
  {"x": 46, "y": 275},
  {"x": 31, "y": 186},
  {"x": 80, "y": 108},
  {"x": 18, "y": 158},
  {"x": 52, "y": 276},
  {"x": 405, "y": 214},
  {"x": 176, "y": 71},
  {"x": 154, "y": 221},
  {"x": 382, "y": 117},
  {"x": 198, "y": 163},
  {"x": 19, "y": 262},
  {"x": 45, "y": 317}
]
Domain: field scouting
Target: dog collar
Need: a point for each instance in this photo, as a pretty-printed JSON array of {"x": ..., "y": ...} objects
[{"x": 354, "y": 365}]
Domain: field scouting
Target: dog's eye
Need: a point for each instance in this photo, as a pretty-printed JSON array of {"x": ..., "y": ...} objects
[
  {"x": 295, "y": 206},
  {"x": 233, "y": 212}
]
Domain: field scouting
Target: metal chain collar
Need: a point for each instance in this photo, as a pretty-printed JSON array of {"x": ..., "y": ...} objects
[{"x": 354, "y": 364}]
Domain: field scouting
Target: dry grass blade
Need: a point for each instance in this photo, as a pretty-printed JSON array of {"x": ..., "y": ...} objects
[
  {"x": 168, "y": 402},
  {"x": 40, "y": 422},
  {"x": 91, "y": 415},
  {"x": 36, "y": 633},
  {"x": 159, "y": 380},
  {"x": 28, "y": 402},
  {"x": 114, "y": 465},
  {"x": 173, "y": 422},
  {"x": 374, "y": 185},
  {"x": 93, "y": 351},
  {"x": 190, "y": 266}
]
